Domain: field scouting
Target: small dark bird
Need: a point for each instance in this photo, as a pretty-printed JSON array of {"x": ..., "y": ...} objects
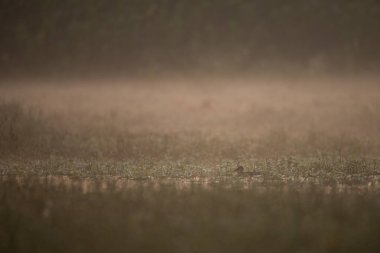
[{"x": 240, "y": 172}]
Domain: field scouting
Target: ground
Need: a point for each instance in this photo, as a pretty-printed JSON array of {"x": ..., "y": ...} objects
[{"x": 148, "y": 166}]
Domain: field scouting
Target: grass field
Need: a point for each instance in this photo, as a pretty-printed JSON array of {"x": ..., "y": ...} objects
[{"x": 148, "y": 166}]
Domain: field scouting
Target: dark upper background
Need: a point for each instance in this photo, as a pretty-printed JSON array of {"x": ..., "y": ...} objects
[{"x": 140, "y": 37}]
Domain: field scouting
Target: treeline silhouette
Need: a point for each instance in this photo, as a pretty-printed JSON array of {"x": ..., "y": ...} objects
[{"x": 41, "y": 37}]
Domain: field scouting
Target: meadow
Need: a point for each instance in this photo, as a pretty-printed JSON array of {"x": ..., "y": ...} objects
[{"x": 142, "y": 166}]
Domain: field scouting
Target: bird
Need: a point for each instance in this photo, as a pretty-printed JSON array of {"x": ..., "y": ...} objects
[{"x": 240, "y": 172}]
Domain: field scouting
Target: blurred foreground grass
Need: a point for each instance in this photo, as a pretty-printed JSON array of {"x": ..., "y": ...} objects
[{"x": 43, "y": 215}]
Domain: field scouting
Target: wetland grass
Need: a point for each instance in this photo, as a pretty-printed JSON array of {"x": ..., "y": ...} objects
[{"x": 122, "y": 175}]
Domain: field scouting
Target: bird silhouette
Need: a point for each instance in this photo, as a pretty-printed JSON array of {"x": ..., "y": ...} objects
[{"x": 240, "y": 172}]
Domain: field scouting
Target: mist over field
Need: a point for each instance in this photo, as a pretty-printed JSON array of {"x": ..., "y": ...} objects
[
  {"x": 189, "y": 126},
  {"x": 229, "y": 118}
]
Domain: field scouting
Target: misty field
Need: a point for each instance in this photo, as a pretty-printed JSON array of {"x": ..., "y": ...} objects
[{"x": 149, "y": 166}]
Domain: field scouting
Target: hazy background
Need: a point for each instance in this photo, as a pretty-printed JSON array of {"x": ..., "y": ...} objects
[
  {"x": 122, "y": 124},
  {"x": 249, "y": 77},
  {"x": 140, "y": 38}
]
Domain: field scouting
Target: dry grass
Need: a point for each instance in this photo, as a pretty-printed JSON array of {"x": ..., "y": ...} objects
[{"x": 148, "y": 167}]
